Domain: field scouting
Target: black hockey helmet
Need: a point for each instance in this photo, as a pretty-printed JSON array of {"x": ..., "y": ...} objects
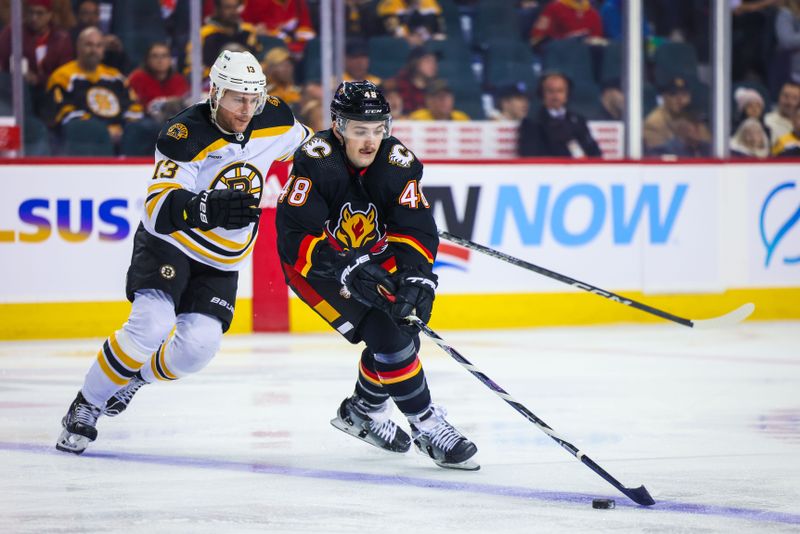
[{"x": 360, "y": 101}]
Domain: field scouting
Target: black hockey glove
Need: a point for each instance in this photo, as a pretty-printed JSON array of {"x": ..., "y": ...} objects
[
  {"x": 367, "y": 282},
  {"x": 414, "y": 296},
  {"x": 225, "y": 208}
]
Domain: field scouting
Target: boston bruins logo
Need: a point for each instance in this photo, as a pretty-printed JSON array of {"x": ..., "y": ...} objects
[
  {"x": 167, "y": 272},
  {"x": 102, "y": 102},
  {"x": 357, "y": 228},
  {"x": 401, "y": 156},
  {"x": 240, "y": 176},
  {"x": 317, "y": 148},
  {"x": 178, "y": 131}
]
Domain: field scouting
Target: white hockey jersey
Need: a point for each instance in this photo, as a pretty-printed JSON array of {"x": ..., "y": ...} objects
[{"x": 192, "y": 155}]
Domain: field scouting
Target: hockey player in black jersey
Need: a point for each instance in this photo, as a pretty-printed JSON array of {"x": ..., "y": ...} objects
[
  {"x": 199, "y": 224},
  {"x": 357, "y": 242}
]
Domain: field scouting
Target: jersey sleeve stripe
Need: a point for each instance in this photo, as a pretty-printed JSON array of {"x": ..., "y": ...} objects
[
  {"x": 273, "y": 131},
  {"x": 183, "y": 240},
  {"x": 413, "y": 243},
  {"x": 216, "y": 145},
  {"x": 303, "y": 263},
  {"x": 218, "y": 239},
  {"x": 153, "y": 201}
]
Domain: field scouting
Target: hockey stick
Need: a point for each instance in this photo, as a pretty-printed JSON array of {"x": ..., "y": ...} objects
[
  {"x": 638, "y": 495},
  {"x": 736, "y": 316}
]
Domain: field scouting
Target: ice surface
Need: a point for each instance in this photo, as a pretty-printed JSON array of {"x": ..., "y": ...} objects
[{"x": 708, "y": 421}]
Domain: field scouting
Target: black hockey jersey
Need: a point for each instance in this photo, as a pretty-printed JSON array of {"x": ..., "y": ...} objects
[
  {"x": 327, "y": 204},
  {"x": 193, "y": 155}
]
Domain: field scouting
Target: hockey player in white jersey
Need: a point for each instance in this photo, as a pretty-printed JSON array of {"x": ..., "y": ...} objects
[{"x": 200, "y": 222}]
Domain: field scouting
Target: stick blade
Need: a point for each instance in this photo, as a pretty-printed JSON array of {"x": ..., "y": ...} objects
[
  {"x": 639, "y": 495},
  {"x": 729, "y": 319}
]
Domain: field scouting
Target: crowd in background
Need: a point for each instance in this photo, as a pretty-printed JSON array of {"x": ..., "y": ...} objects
[{"x": 102, "y": 76}]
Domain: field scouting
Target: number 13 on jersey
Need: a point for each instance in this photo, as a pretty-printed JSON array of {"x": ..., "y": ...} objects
[{"x": 412, "y": 196}]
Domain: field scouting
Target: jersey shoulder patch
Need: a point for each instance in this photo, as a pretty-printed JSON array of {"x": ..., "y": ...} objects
[
  {"x": 396, "y": 159},
  {"x": 276, "y": 113},
  {"x": 188, "y": 133}
]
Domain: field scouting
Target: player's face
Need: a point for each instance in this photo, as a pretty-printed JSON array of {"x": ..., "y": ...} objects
[
  {"x": 236, "y": 109},
  {"x": 363, "y": 140}
]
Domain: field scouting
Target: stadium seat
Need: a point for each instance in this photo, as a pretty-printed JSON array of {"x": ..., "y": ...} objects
[
  {"x": 508, "y": 61},
  {"x": 139, "y": 138},
  {"x": 387, "y": 55},
  {"x": 138, "y": 25},
  {"x": 571, "y": 57},
  {"x": 672, "y": 60},
  {"x": 36, "y": 137},
  {"x": 492, "y": 21},
  {"x": 268, "y": 43},
  {"x": 87, "y": 138},
  {"x": 452, "y": 18},
  {"x": 611, "y": 62}
]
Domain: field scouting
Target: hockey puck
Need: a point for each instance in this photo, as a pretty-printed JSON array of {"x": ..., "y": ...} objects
[{"x": 603, "y": 504}]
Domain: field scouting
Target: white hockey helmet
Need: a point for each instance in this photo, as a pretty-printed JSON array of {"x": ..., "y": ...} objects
[{"x": 236, "y": 71}]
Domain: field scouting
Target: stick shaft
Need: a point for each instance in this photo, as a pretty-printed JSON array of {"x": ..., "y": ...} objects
[
  {"x": 565, "y": 279},
  {"x": 638, "y": 495}
]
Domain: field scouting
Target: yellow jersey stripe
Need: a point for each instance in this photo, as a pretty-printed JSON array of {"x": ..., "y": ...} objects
[
  {"x": 183, "y": 240},
  {"x": 216, "y": 145},
  {"x": 158, "y": 187},
  {"x": 219, "y": 240},
  {"x": 412, "y": 244},
  {"x": 153, "y": 202},
  {"x": 269, "y": 132},
  {"x": 309, "y": 251}
]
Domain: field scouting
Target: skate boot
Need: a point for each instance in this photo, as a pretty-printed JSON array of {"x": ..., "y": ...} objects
[
  {"x": 437, "y": 438},
  {"x": 79, "y": 426},
  {"x": 117, "y": 404},
  {"x": 371, "y": 424}
]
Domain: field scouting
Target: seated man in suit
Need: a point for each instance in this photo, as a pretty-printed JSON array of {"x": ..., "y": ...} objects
[{"x": 556, "y": 131}]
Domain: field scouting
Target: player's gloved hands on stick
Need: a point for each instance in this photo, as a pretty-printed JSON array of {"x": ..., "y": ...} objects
[
  {"x": 414, "y": 296},
  {"x": 224, "y": 208},
  {"x": 367, "y": 282}
]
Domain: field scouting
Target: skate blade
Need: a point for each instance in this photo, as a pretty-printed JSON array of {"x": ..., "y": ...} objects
[
  {"x": 353, "y": 431},
  {"x": 74, "y": 443},
  {"x": 466, "y": 465}
]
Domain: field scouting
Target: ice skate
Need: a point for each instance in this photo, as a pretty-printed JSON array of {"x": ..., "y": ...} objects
[
  {"x": 122, "y": 398},
  {"x": 438, "y": 439},
  {"x": 79, "y": 426},
  {"x": 371, "y": 424}
]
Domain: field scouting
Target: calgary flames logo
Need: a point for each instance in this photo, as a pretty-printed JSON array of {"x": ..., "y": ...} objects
[{"x": 356, "y": 228}]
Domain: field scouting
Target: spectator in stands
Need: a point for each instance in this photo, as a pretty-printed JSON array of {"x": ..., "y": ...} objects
[
  {"x": 356, "y": 62},
  {"x": 279, "y": 70},
  {"x": 361, "y": 19},
  {"x": 661, "y": 124},
  {"x": 414, "y": 20},
  {"x": 612, "y": 100},
  {"x": 779, "y": 120},
  {"x": 556, "y": 131},
  {"x": 311, "y": 115},
  {"x": 222, "y": 27},
  {"x": 439, "y": 105},
  {"x": 512, "y": 102},
  {"x": 691, "y": 139},
  {"x": 413, "y": 79},
  {"x": 161, "y": 91},
  {"x": 749, "y": 105},
  {"x": 395, "y": 100},
  {"x": 44, "y": 47},
  {"x": 86, "y": 89},
  {"x": 88, "y": 15},
  {"x": 787, "y": 35},
  {"x": 562, "y": 19},
  {"x": 286, "y": 19},
  {"x": 750, "y": 140},
  {"x": 788, "y": 144}
]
